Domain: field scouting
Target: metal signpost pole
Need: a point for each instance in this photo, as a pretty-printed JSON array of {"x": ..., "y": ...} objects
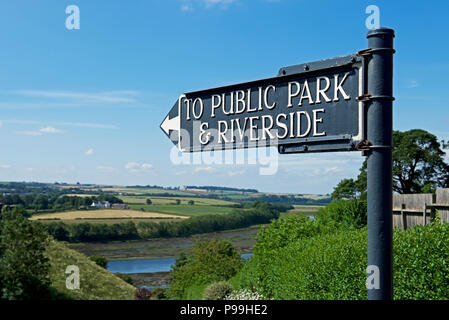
[{"x": 379, "y": 134}]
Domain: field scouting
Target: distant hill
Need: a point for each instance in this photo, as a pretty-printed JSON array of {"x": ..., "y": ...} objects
[
  {"x": 216, "y": 188},
  {"x": 96, "y": 283}
]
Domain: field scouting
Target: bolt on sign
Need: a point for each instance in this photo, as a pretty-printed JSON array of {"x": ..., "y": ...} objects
[{"x": 306, "y": 108}]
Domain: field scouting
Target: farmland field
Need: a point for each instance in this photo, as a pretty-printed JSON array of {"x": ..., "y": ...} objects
[
  {"x": 103, "y": 214},
  {"x": 185, "y": 210},
  {"x": 172, "y": 200}
]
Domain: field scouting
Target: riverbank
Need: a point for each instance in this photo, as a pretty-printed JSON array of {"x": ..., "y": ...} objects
[
  {"x": 242, "y": 239},
  {"x": 150, "y": 280}
]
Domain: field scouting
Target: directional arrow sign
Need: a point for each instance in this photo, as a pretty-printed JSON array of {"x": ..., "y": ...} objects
[{"x": 306, "y": 108}]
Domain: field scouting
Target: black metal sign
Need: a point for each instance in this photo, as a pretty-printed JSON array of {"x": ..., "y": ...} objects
[{"x": 306, "y": 108}]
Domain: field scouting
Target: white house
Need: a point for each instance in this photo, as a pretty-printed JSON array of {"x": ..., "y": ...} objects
[{"x": 101, "y": 204}]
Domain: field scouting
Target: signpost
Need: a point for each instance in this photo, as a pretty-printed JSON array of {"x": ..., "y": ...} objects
[
  {"x": 339, "y": 104},
  {"x": 313, "y": 105}
]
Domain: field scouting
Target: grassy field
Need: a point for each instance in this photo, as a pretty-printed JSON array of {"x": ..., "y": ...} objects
[
  {"x": 96, "y": 283},
  {"x": 104, "y": 214},
  {"x": 184, "y": 210},
  {"x": 172, "y": 200}
]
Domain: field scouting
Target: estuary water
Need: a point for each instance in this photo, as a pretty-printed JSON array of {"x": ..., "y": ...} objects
[{"x": 146, "y": 266}]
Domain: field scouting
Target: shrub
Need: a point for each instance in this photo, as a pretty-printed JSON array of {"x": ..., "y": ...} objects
[
  {"x": 159, "y": 293},
  {"x": 211, "y": 260},
  {"x": 421, "y": 262},
  {"x": 350, "y": 214},
  {"x": 217, "y": 291},
  {"x": 125, "y": 277},
  {"x": 333, "y": 266},
  {"x": 100, "y": 260},
  {"x": 244, "y": 294},
  {"x": 142, "y": 294}
]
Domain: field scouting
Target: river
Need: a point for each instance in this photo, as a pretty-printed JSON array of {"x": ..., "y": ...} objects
[{"x": 146, "y": 266}]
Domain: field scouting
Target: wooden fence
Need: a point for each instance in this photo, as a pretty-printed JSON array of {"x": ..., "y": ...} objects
[{"x": 413, "y": 209}]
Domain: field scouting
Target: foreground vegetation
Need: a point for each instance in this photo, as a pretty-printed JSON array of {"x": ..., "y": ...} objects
[
  {"x": 33, "y": 266},
  {"x": 299, "y": 258}
]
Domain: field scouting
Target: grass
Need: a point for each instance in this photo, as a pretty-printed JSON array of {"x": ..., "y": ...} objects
[
  {"x": 102, "y": 214},
  {"x": 171, "y": 200},
  {"x": 96, "y": 283},
  {"x": 185, "y": 210}
]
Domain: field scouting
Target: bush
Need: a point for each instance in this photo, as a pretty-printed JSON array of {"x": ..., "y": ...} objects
[
  {"x": 244, "y": 294},
  {"x": 159, "y": 294},
  {"x": 211, "y": 260},
  {"x": 100, "y": 260},
  {"x": 142, "y": 294},
  {"x": 217, "y": 291},
  {"x": 350, "y": 214},
  {"x": 421, "y": 262},
  {"x": 125, "y": 277},
  {"x": 333, "y": 266}
]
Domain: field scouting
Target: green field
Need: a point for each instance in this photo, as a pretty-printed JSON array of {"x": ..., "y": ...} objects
[
  {"x": 171, "y": 200},
  {"x": 184, "y": 210}
]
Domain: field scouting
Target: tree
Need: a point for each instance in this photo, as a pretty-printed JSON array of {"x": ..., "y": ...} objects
[
  {"x": 178, "y": 201},
  {"x": 418, "y": 164},
  {"x": 191, "y": 202},
  {"x": 346, "y": 188},
  {"x": 211, "y": 260},
  {"x": 149, "y": 201},
  {"x": 24, "y": 268}
]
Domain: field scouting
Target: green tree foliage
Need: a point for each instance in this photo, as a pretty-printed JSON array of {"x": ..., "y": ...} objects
[
  {"x": 99, "y": 260},
  {"x": 346, "y": 189},
  {"x": 418, "y": 162},
  {"x": 148, "y": 201},
  {"x": 210, "y": 261},
  {"x": 191, "y": 202},
  {"x": 418, "y": 166},
  {"x": 23, "y": 265},
  {"x": 351, "y": 214}
]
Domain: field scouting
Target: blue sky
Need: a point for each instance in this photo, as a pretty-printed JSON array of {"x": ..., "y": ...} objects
[{"x": 85, "y": 105}]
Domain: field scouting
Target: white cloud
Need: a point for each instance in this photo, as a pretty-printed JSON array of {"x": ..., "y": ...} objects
[
  {"x": 123, "y": 96},
  {"x": 71, "y": 124},
  {"x": 50, "y": 130},
  {"x": 29, "y": 133},
  {"x": 89, "y": 152},
  {"x": 235, "y": 173},
  {"x": 136, "y": 167},
  {"x": 412, "y": 83},
  {"x": 204, "y": 169},
  {"x": 188, "y": 5},
  {"x": 5, "y": 166}
]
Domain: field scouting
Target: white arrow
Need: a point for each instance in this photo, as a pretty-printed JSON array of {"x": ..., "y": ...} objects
[{"x": 173, "y": 123}]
